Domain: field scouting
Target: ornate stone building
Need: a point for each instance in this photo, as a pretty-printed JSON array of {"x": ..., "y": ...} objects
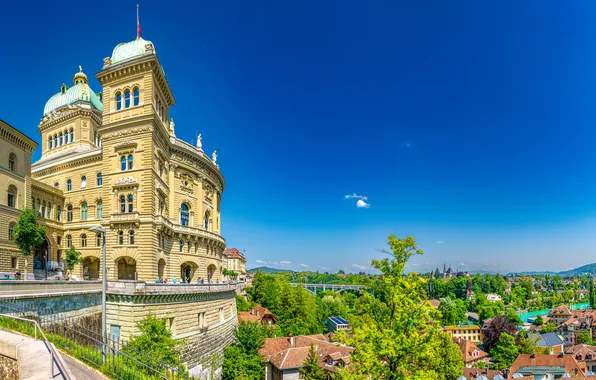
[{"x": 112, "y": 159}]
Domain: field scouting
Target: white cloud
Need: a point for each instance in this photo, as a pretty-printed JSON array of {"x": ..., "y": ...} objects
[
  {"x": 285, "y": 262},
  {"x": 440, "y": 242},
  {"x": 359, "y": 267},
  {"x": 362, "y": 204},
  {"x": 304, "y": 265},
  {"x": 260, "y": 262}
]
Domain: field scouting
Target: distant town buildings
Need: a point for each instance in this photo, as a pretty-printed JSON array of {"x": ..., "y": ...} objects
[
  {"x": 471, "y": 333},
  {"x": 559, "y": 314},
  {"x": 584, "y": 353},
  {"x": 579, "y": 321},
  {"x": 234, "y": 260},
  {"x": 550, "y": 342},
  {"x": 493, "y": 297},
  {"x": 547, "y": 366}
]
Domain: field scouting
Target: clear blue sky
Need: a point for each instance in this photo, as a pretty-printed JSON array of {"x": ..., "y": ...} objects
[{"x": 470, "y": 125}]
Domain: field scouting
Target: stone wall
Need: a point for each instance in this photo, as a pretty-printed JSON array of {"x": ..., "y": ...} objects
[{"x": 9, "y": 368}]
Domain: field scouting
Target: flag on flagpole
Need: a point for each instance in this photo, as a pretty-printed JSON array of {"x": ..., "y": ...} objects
[{"x": 138, "y": 24}]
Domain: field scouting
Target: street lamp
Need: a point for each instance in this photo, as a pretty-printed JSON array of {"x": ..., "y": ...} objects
[{"x": 104, "y": 288}]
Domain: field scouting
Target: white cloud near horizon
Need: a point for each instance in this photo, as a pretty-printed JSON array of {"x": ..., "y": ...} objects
[
  {"x": 361, "y": 203},
  {"x": 440, "y": 242},
  {"x": 304, "y": 265},
  {"x": 285, "y": 262},
  {"x": 359, "y": 267}
]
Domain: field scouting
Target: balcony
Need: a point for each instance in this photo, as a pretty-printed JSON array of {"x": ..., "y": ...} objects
[
  {"x": 128, "y": 217},
  {"x": 187, "y": 230}
]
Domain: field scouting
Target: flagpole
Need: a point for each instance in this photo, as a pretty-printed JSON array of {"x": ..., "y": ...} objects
[{"x": 138, "y": 24}]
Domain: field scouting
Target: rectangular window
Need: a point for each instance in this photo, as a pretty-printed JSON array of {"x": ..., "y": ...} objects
[
  {"x": 201, "y": 320},
  {"x": 115, "y": 333},
  {"x": 170, "y": 324},
  {"x": 13, "y": 262},
  {"x": 221, "y": 314}
]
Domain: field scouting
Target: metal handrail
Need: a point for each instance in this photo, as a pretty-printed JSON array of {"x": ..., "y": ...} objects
[{"x": 54, "y": 357}]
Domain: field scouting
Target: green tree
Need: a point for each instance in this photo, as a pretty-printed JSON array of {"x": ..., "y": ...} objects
[
  {"x": 242, "y": 304},
  {"x": 512, "y": 316},
  {"x": 449, "y": 363},
  {"x": 242, "y": 360},
  {"x": 394, "y": 330},
  {"x": 155, "y": 342},
  {"x": 504, "y": 352},
  {"x": 539, "y": 321},
  {"x": 310, "y": 367},
  {"x": 591, "y": 292},
  {"x": 584, "y": 337},
  {"x": 72, "y": 258},
  {"x": 549, "y": 327},
  {"x": 341, "y": 271},
  {"x": 437, "y": 273},
  {"x": 27, "y": 234},
  {"x": 452, "y": 311}
]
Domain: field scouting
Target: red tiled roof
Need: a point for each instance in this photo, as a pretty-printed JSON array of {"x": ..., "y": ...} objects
[
  {"x": 256, "y": 314},
  {"x": 467, "y": 350},
  {"x": 562, "y": 309},
  {"x": 567, "y": 361},
  {"x": 473, "y": 373},
  {"x": 283, "y": 355},
  {"x": 233, "y": 253}
]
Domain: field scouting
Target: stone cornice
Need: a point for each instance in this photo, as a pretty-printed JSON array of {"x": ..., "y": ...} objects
[
  {"x": 14, "y": 136},
  {"x": 42, "y": 187},
  {"x": 181, "y": 153},
  {"x": 43, "y": 169},
  {"x": 66, "y": 113}
]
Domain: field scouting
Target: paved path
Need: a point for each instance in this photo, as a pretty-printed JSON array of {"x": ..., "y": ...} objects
[{"x": 79, "y": 370}]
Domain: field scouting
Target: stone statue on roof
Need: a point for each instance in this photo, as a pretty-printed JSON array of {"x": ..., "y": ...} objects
[
  {"x": 199, "y": 142},
  {"x": 214, "y": 157}
]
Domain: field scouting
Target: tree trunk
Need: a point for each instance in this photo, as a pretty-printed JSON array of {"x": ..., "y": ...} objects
[{"x": 26, "y": 266}]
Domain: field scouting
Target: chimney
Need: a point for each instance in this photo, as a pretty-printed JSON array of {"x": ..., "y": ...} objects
[{"x": 292, "y": 340}]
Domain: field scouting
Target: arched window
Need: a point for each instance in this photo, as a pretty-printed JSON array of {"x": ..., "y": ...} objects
[
  {"x": 120, "y": 237},
  {"x": 69, "y": 185},
  {"x": 126, "y": 99},
  {"x": 98, "y": 239},
  {"x": 135, "y": 96},
  {"x": 99, "y": 179},
  {"x": 181, "y": 244},
  {"x": 56, "y": 185},
  {"x": 11, "y": 231},
  {"x": 131, "y": 237},
  {"x": 188, "y": 246},
  {"x": 122, "y": 204},
  {"x": 206, "y": 221},
  {"x": 68, "y": 241},
  {"x": 84, "y": 211},
  {"x": 43, "y": 209},
  {"x": 130, "y": 162},
  {"x": 66, "y": 139},
  {"x": 12, "y": 162},
  {"x": 71, "y": 134},
  {"x": 50, "y": 142},
  {"x": 83, "y": 182},
  {"x": 83, "y": 240},
  {"x": 55, "y": 141},
  {"x": 130, "y": 202},
  {"x": 12, "y": 197},
  {"x": 123, "y": 163},
  {"x": 59, "y": 213},
  {"x": 69, "y": 213},
  {"x": 99, "y": 210},
  {"x": 118, "y": 101},
  {"x": 61, "y": 139},
  {"x": 49, "y": 210},
  {"x": 184, "y": 214}
]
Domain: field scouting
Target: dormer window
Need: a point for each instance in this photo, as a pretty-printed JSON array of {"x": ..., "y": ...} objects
[{"x": 63, "y": 88}]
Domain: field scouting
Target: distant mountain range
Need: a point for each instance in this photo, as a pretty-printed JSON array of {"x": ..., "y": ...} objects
[
  {"x": 268, "y": 270},
  {"x": 586, "y": 269}
]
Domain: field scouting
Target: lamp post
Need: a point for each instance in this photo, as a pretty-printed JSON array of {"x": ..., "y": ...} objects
[{"x": 104, "y": 288}]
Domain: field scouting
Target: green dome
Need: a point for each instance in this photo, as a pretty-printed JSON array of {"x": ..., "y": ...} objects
[
  {"x": 80, "y": 91},
  {"x": 132, "y": 49}
]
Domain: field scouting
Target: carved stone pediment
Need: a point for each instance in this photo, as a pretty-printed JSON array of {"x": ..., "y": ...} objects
[{"x": 126, "y": 182}]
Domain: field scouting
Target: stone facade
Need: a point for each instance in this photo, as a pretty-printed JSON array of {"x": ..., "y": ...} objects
[
  {"x": 9, "y": 368},
  {"x": 112, "y": 159}
]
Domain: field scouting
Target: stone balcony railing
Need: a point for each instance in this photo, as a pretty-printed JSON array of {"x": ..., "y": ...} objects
[
  {"x": 195, "y": 231},
  {"x": 150, "y": 288}
]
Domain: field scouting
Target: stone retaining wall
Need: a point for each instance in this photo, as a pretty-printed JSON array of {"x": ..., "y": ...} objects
[{"x": 9, "y": 368}]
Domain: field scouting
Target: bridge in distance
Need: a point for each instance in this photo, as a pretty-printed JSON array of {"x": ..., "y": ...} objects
[{"x": 336, "y": 288}]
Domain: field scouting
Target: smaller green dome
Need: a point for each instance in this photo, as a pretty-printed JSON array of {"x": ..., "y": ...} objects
[
  {"x": 80, "y": 91},
  {"x": 133, "y": 49}
]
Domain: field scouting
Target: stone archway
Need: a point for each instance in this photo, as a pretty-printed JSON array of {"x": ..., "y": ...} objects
[
  {"x": 211, "y": 272},
  {"x": 187, "y": 271},
  {"x": 127, "y": 268},
  {"x": 91, "y": 268},
  {"x": 161, "y": 267}
]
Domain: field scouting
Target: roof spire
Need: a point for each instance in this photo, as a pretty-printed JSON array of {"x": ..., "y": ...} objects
[{"x": 138, "y": 24}]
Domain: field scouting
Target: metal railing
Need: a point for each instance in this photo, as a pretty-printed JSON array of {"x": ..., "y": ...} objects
[
  {"x": 81, "y": 336},
  {"x": 54, "y": 357}
]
